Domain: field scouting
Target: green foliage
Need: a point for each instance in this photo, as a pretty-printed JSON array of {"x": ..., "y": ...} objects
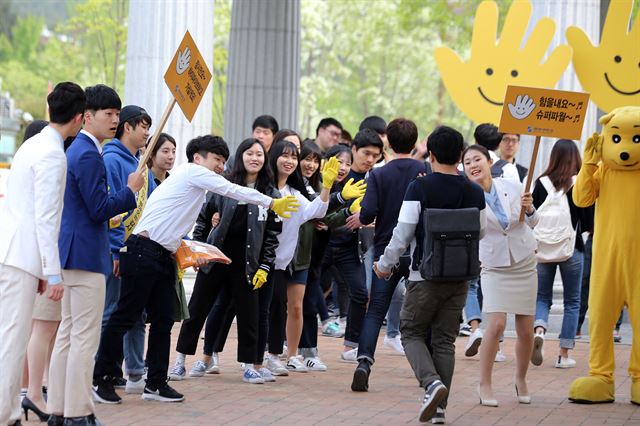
[
  {"x": 221, "y": 29},
  {"x": 26, "y": 38}
]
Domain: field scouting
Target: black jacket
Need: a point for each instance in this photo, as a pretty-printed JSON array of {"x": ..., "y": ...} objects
[{"x": 262, "y": 232}]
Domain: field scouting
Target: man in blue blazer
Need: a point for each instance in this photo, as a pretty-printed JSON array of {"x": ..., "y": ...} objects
[{"x": 84, "y": 257}]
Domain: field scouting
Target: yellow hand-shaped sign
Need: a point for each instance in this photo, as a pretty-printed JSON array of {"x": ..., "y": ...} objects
[
  {"x": 611, "y": 71},
  {"x": 478, "y": 86}
]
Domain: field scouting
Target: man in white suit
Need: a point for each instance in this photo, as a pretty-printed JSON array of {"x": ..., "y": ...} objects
[{"x": 29, "y": 226}]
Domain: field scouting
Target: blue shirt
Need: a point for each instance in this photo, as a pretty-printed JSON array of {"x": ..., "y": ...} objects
[{"x": 493, "y": 201}]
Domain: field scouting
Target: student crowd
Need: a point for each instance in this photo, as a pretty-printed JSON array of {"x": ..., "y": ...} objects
[{"x": 337, "y": 229}]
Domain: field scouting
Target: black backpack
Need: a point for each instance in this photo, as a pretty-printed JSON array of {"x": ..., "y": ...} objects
[{"x": 451, "y": 244}]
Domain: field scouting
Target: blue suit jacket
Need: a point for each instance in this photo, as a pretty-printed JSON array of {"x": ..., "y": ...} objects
[{"x": 84, "y": 231}]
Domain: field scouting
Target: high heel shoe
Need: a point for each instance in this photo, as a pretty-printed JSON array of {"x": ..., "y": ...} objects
[
  {"x": 27, "y": 405},
  {"x": 523, "y": 399},
  {"x": 486, "y": 402}
]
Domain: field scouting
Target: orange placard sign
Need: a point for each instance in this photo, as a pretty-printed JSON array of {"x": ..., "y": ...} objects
[
  {"x": 188, "y": 76},
  {"x": 543, "y": 112}
]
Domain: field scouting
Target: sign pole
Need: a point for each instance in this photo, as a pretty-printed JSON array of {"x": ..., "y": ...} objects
[
  {"x": 156, "y": 135},
  {"x": 532, "y": 166}
]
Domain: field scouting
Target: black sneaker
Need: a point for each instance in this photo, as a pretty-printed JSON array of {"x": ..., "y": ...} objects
[
  {"x": 434, "y": 394},
  {"x": 360, "y": 381},
  {"x": 104, "y": 391},
  {"x": 119, "y": 382},
  {"x": 162, "y": 393}
]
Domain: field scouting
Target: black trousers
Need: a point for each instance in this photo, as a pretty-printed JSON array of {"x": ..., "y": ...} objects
[
  {"x": 205, "y": 292},
  {"x": 278, "y": 312},
  {"x": 148, "y": 274}
]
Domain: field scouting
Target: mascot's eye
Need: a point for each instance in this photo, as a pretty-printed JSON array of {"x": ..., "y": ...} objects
[
  {"x": 617, "y": 58},
  {"x": 616, "y": 138},
  {"x": 489, "y": 71},
  {"x": 514, "y": 73},
  {"x": 636, "y": 139}
]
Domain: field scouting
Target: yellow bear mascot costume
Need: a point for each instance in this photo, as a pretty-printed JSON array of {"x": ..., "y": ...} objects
[{"x": 610, "y": 177}]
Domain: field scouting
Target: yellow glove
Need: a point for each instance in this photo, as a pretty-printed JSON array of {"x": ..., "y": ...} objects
[
  {"x": 330, "y": 172},
  {"x": 259, "y": 278},
  {"x": 285, "y": 205},
  {"x": 353, "y": 190},
  {"x": 116, "y": 221},
  {"x": 355, "y": 206},
  {"x": 593, "y": 150}
]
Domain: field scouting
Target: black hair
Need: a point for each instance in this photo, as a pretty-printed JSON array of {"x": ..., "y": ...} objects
[
  {"x": 487, "y": 135},
  {"x": 326, "y": 122},
  {"x": 283, "y": 133},
  {"x": 34, "y": 128},
  {"x": 295, "y": 179},
  {"x": 446, "y": 144},
  {"x": 133, "y": 122},
  {"x": 346, "y": 137},
  {"x": 475, "y": 147},
  {"x": 164, "y": 137},
  {"x": 266, "y": 122},
  {"x": 238, "y": 174},
  {"x": 309, "y": 148},
  {"x": 367, "y": 137},
  {"x": 375, "y": 123},
  {"x": 207, "y": 144},
  {"x": 102, "y": 97},
  {"x": 402, "y": 135},
  {"x": 336, "y": 150},
  {"x": 65, "y": 102}
]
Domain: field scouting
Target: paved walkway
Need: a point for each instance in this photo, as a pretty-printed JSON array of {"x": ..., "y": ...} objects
[{"x": 393, "y": 399}]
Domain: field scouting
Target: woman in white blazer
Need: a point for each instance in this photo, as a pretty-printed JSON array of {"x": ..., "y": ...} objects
[{"x": 509, "y": 278}]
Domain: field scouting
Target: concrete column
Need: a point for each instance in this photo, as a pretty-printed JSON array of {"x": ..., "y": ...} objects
[
  {"x": 155, "y": 31},
  {"x": 586, "y": 15},
  {"x": 264, "y": 71}
]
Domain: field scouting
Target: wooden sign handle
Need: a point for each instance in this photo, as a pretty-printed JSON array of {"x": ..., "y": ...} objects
[
  {"x": 156, "y": 135},
  {"x": 532, "y": 166}
]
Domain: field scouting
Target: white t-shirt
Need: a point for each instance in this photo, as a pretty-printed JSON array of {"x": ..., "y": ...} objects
[
  {"x": 173, "y": 207},
  {"x": 288, "y": 238}
]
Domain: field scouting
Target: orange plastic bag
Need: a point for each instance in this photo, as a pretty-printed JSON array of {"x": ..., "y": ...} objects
[{"x": 190, "y": 250}]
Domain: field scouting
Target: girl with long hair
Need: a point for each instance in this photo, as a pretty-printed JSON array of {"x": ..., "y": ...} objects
[
  {"x": 248, "y": 235},
  {"x": 162, "y": 157},
  {"x": 557, "y": 181}
]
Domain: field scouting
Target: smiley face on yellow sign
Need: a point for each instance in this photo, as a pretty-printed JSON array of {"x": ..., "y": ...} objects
[
  {"x": 478, "y": 86},
  {"x": 611, "y": 71}
]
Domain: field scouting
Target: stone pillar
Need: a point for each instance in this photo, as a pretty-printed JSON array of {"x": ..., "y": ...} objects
[
  {"x": 155, "y": 31},
  {"x": 264, "y": 71},
  {"x": 586, "y": 15}
]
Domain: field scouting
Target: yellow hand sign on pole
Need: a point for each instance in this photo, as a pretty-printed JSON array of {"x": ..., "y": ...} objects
[
  {"x": 611, "y": 71},
  {"x": 478, "y": 86}
]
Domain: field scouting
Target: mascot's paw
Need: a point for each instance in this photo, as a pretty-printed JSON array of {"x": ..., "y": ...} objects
[
  {"x": 593, "y": 390},
  {"x": 635, "y": 392}
]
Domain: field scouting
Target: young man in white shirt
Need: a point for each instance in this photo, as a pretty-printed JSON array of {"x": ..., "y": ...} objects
[
  {"x": 147, "y": 265},
  {"x": 29, "y": 225}
]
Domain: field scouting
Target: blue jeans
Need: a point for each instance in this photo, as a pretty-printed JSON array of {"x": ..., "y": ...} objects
[
  {"x": 382, "y": 292},
  {"x": 133, "y": 341},
  {"x": 472, "y": 310},
  {"x": 393, "y": 314},
  {"x": 571, "y": 272}
]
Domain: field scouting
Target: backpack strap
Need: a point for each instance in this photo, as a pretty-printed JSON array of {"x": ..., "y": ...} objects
[{"x": 496, "y": 168}]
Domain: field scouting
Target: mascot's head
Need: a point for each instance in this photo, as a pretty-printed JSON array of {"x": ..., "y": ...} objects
[{"x": 621, "y": 138}]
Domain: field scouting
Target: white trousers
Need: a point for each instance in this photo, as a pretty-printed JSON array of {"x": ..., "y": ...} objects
[
  {"x": 17, "y": 295},
  {"x": 72, "y": 361}
]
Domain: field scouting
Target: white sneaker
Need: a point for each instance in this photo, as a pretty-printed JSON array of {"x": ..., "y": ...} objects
[
  {"x": 296, "y": 364},
  {"x": 500, "y": 357},
  {"x": 275, "y": 365},
  {"x": 136, "y": 387},
  {"x": 252, "y": 376},
  {"x": 266, "y": 375},
  {"x": 473, "y": 343},
  {"x": 350, "y": 356},
  {"x": 315, "y": 364},
  {"x": 285, "y": 353},
  {"x": 567, "y": 362},
  {"x": 214, "y": 367},
  {"x": 394, "y": 343},
  {"x": 198, "y": 369},
  {"x": 537, "y": 356}
]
